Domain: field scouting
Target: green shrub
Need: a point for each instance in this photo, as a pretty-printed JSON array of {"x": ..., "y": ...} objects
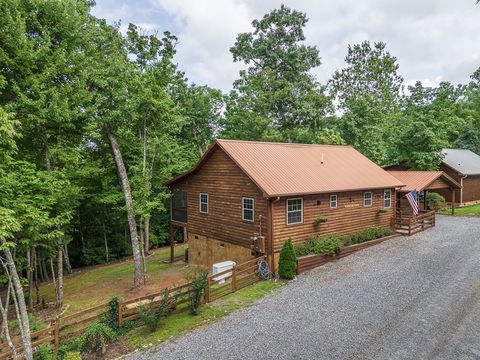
[
  {"x": 329, "y": 245},
  {"x": 35, "y": 324},
  {"x": 72, "y": 355},
  {"x": 366, "y": 235},
  {"x": 96, "y": 337},
  {"x": 152, "y": 313},
  {"x": 44, "y": 353},
  {"x": 198, "y": 281},
  {"x": 320, "y": 219},
  {"x": 302, "y": 249},
  {"x": 434, "y": 200},
  {"x": 111, "y": 317},
  {"x": 383, "y": 210},
  {"x": 287, "y": 264}
]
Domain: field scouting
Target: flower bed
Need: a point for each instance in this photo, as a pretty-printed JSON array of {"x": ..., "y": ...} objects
[{"x": 307, "y": 262}]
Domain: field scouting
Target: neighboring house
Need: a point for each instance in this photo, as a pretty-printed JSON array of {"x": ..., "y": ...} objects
[
  {"x": 244, "y": 198},
  {"x": 464, "y": 167}
]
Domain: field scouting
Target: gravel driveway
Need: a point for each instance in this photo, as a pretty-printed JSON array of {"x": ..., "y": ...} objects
[{"x": 407, "y": 298}]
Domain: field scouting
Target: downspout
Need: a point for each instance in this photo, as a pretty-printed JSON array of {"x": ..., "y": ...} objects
[
  {"x": 461, "y": 189},
  {"x": 271, "y": 246}
]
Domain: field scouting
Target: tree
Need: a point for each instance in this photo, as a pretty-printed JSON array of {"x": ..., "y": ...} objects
[
  {"x": 287, "y": 264},
  {"x": 367, "y": 91},
  {"x": 277, "y": 93}
]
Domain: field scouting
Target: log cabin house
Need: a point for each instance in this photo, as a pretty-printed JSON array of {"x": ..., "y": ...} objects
[{"x": 246, "y": 198}]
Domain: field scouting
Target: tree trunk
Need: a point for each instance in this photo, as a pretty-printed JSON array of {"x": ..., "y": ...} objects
[
  {"x": 82, "y": 239},
  {"x": 124, "y": 184},
  {"x": 35, "y": 266},
  {"x": 54, "y": 280},
  {"x": 5, "y": 330},
  {"x": 146, "y": 235},
  {"x": 105, "y": 240},
  {"x": 67, "y": 259},
  {"x": 22, "y": 306},
  {"x": 44, "y": 270},
  {"x": 60, "y": 277},
  {"x": 30, "y": 278}
]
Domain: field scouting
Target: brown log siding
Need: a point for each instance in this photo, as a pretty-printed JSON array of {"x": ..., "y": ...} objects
[
  {"x": 342, "y": 220},
  {"x": 226, "y": 184}
]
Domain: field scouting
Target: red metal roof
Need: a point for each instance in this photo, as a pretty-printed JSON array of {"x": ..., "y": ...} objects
[
  {"x": 420, "y": 180},
  {"x": 281, "y": 169}
]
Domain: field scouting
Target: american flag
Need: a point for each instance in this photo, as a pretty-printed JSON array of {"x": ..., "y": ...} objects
[{"x": 412, "y": 199}]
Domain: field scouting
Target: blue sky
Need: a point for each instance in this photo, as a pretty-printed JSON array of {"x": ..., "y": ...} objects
[{"x": 434, "y": 40}]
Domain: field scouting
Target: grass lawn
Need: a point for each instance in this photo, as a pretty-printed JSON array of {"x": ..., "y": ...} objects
[
  {"x": 177, "y": 324},
  {"x": 94, "y": 285},
  {"x": 473, "y": 210}
]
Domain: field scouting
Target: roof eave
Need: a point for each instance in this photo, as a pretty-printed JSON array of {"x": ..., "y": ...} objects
[{"x": 332, "y": 191}]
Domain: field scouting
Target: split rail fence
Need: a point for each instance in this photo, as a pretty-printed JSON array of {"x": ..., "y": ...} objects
[{"x": 218, "y": 286}]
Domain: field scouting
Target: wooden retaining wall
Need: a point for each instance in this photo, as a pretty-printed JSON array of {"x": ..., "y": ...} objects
[{"x": 308, "y": 262}]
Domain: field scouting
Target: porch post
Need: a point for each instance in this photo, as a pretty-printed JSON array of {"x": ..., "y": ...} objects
[
  {"x": 453, "y": 200},
  {"x": 425, "y": 200},
  {"x": 172, "y": 243}
]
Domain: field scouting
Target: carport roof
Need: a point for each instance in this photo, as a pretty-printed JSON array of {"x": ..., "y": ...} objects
[{"x": 421, "y": 180}]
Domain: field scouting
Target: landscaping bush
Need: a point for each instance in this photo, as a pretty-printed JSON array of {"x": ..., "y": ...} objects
[
  {"x": 198, "y": 280},
  {"x": 366, "y": 235},
  {"x": 44, "y": 353},
  {"x": 96, "y": 337},
  {"x": 152, "y": 313},
  {"x": 329, "y": 245},
  {"x": 72, "y": 355},
  {"x": 111, "y": 317},
  {"x": 302, "y": 249},
  {"x": 287, "y": 264},
  {"x": 434, "y": 200}
]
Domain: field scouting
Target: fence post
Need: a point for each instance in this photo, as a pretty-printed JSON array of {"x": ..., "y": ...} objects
[
  {"x": 234, "y": 278},
  {"x": 207, "y": 291},
  {"x": 120, "y": 315},
  {"x": 56, "y": 333}
]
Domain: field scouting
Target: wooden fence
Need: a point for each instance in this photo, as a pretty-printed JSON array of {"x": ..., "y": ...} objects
[
  {"x": 218, "y": 286},
  {"x": 308, "y": 262},
  {"x": 410, "y": 225}
]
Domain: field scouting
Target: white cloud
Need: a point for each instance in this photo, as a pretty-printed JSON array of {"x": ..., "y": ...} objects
[{"x": 434, "y": 40}]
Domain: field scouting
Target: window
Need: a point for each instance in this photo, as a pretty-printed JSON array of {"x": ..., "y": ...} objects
[
  {"x": 247, "y": 209},
  {"x": 367, "y": 199},
  {"x": 333, "y": 201},
  {"x": 387, "y": 199},
  {"x": 294, "y": 211},
  {"x": 204, "y": 203}
]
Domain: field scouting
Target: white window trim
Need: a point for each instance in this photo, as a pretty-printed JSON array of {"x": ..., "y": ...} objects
[
  {"x": 364, "y": 198},
  {"x": 385, "y": 192},
  {"x": 336, "y": 201},
  {"x": 301, "y": 211},
  {"x": 200, "y": 203},
  {"x": 243, "y": 208}
]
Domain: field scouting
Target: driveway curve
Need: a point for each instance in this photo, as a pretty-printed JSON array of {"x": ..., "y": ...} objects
[{"x": 407, "y": 298}]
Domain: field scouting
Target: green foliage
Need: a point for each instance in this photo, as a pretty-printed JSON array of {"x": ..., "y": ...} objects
[
  {"x": 320, "y": 219},
  {"x": 44, "y": 353},
  {"x": 152, "y": 313},
  {"x": 277, "y": 93},
  {"x": 328, "y": 245},
  {"x": 35, "y": 324},
  {"x": 287, "y": 263},
  {"x": 367, "y": 235},
  {"x": 72, "y": 355},
  {"x": 434, "y": 200},
  {"x": 96, "y": 337},
  {"x": 383, "y": 210},
  {"x": 198, "y": 280},
  {"x": 111, "y": 317}
]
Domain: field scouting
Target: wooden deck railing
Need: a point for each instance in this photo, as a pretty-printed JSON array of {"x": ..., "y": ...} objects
[
  {"x": 408, "y": 224},
  {"x": 233, "y": 280}
]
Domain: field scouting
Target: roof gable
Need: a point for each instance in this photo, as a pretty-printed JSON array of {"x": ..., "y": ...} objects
[
  {"x": 420, "y": 180},
  {"x": 282, "y": 169},
  {"x": 466, "y": 162}
]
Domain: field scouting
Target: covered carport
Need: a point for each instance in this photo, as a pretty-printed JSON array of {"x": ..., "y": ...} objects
[{"x": 423, "y": 182}]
